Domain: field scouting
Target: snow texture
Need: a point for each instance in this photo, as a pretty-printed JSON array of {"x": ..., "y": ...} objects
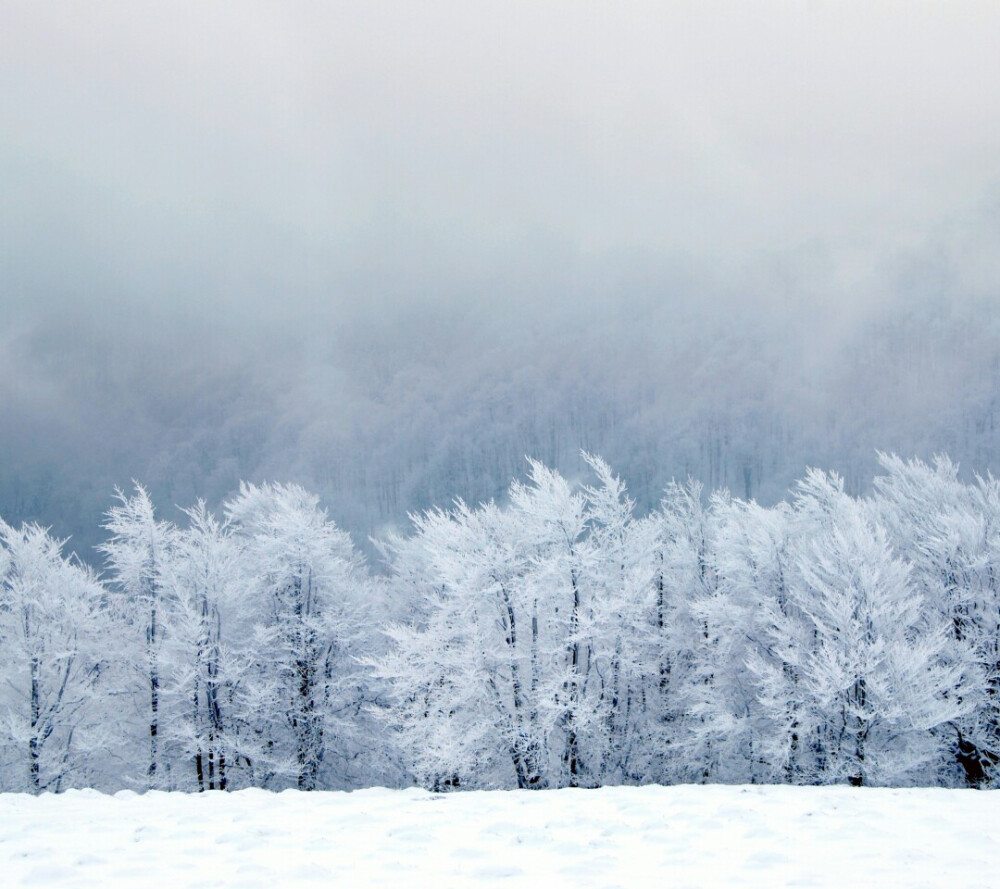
[{"x": 671, "y": 836}]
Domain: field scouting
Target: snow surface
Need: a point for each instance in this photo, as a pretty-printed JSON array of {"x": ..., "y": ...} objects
[{"x": 645, "y": 836}]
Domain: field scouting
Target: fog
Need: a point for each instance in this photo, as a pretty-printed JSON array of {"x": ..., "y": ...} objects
[{"x": 386, "y": 250}]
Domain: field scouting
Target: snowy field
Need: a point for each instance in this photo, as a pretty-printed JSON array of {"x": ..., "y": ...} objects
[{"x": 649, "y": 836}]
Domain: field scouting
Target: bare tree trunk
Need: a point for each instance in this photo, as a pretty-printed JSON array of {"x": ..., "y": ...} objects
[
  {"x": 154, "y": 690},
  {"x": 34, "y": 745},
  {"x": 571, "y": 755}
]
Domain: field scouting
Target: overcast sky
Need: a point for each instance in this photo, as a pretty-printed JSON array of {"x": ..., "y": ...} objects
[
  {"x": 360, "y": 245},
  {"x": 352, "y": 158}
]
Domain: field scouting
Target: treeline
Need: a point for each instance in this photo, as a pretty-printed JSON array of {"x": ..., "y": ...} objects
[
  {"x": 556, "y": 640},
  {"x": 390, "y": 418}
]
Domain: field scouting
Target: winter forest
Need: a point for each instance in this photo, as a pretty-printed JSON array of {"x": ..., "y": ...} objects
[
  {"x": 527, "y": 395},
  {"x": 559, "y": 640}
]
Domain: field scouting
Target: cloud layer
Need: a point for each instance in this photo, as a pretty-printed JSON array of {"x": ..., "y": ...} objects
[{"x": 213, "y": 210}]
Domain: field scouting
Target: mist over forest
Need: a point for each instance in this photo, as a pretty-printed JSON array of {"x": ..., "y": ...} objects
[{"x": 387, "y": 253}]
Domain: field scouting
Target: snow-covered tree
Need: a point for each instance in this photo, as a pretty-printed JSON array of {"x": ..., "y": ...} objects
[
  {"x": 521, "y": 664},
  {"x": 56, "y": 641},
  {"x": 728, "y": 730},
  {"x": 489, "y": 676},
  {"x": 553, "y": 518},
  {"x": 949, "y": 532},
  {"x": 684, "y": 577},
  {"x": 135, "y": 554},
  {"x": 204, "y": 661},
  {"x": 622, "y": 622},
  {"x": 464, "y": 668},
  {"x": 873, "y": 681},
  {"x": 305, "y": 582}
]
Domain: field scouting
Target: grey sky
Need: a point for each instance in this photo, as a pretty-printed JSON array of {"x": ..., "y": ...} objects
[
  {"x": 224, "y": 156},
  {"x": 387, "y": 249}
]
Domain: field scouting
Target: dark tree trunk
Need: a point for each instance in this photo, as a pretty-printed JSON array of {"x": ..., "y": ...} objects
[
  {"x": 34, "y": 743},
  {"x": 571, "y": 756},
  {"x": 154, "y": 691}
]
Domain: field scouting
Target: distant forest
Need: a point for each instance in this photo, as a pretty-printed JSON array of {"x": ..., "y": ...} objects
[{"x": 390, "y": 415}]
